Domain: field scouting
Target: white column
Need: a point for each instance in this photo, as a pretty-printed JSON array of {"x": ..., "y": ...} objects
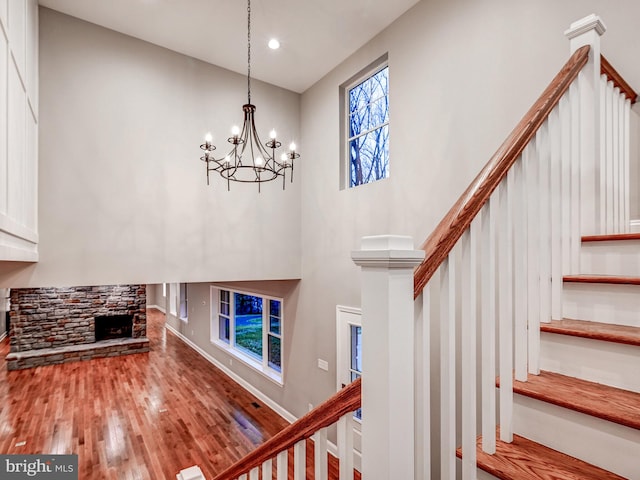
[
  {"x": 387, "y": 355},
  {"x": 587, "y": 31}
]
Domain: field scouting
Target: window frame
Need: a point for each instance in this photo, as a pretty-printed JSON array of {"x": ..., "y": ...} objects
[
  {"x": 261, "y": 365},
  {"x": 345, "y": 116},
  {"x": 346, "y": 318}
]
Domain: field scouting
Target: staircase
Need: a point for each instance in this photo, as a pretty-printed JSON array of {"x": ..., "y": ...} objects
[{"x": 585, "y": 404}]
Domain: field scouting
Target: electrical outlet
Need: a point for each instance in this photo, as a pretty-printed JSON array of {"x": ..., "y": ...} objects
[{"x": 323, "y": 365}]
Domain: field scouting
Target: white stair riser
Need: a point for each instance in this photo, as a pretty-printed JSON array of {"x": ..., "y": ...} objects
[
  {"x": 482, "y": 475},
  {"x": 608, "y": 363},
  {"x": 599, "y": 302},
  {"x": 599, "y": 442},
  {"x": 610, "y": 258}
]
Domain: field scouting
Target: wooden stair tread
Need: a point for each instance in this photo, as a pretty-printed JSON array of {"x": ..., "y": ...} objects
[
  {"x": 600, "y": 401},
  {"x": 527, "y": 460},
  {"x": 613, "y": 237},
  {"x": 611, "y": 279},
  {"x": 606, "y": 332}
]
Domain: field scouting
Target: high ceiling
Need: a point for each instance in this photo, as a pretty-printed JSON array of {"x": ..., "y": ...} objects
[{"x": 315, "y": 35}]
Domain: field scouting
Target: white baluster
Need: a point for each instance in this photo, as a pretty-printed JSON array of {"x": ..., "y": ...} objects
[
  {"x": 448, "y": 368},
  {"x": 520, "y": 241},
  {"x": 603, "y": 155},
  {"x": 616, "y": 158},
  {"x": 345, "y": 446},
  {"x": 557, "y": 206},
  {"x": 627, "y": 114},
  {"x": 424, "y": 457},
  {"x": 281, "y": 465},
  {"x": 505, "y": 308},
  {"x": 576, "y": 235},
  {"x": 544, "y": 229},
  {"x": 609, "y": 159},
  {"x": 267, "y": 469},
  {"x": 621, "y": 163},
  {"x": 565, "y": 158},
  {"x": 300, "y": 460},
  {"x": 531, "y": 165},
  {"x": 254, "y": 474},
  {"x": 469, "y": 305},
  {"x": 489, "y": 214},
  {"x": 242, "y": 477},
  {"x": 320, "y": 454}
]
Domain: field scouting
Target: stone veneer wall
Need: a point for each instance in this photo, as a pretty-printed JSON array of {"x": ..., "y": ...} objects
[{"x": 46, "y": 318}]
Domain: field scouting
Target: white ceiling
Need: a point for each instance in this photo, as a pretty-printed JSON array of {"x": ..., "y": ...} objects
[{"x": 315, "y": 35}]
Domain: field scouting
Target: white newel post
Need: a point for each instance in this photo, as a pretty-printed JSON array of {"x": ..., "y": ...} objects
[
  {"x": 587, "y": 31},
  {"x": 387, "y": 355}
]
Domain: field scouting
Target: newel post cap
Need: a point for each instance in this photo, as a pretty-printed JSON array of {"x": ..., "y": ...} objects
[
  {"x": 390, "y": 251},
  {"x": 586, "y": 24}
]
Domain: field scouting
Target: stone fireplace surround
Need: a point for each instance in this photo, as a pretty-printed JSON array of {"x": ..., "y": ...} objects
[{"x": 57, "y": 325}]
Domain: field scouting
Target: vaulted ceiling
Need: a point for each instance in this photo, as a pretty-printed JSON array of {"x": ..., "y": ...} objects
[{"x": 315, "y": 35}]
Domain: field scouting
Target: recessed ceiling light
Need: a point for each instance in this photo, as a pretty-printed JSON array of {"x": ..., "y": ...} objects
[{"x": 274, "y": 44}]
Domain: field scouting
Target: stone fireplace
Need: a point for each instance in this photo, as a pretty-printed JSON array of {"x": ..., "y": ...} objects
[{"x": 59, "y": 325}]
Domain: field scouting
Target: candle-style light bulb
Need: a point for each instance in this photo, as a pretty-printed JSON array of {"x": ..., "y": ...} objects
[
  {"x": 235, "y": 130},
  {"x": 227, "y": 161},
  {"x": 206, "y": 154},
  {"x": 292, "y": 147},
  {"x": 208, "y": 138},
  {"x": 272, "y": 134},
  {"x": 258, "y": 162},
  {"x": 284, "y": 158}
]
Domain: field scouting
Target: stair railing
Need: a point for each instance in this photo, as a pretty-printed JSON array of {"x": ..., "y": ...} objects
[
  {"x": 494, "y": 266},
  {"x": 336, "y": 410}
]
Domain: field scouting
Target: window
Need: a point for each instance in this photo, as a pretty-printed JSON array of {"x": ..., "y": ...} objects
[
  {"x": 249, "y": 326},
  {"x": 184, "y": 309},
  {"x": 367, "y": 125}
]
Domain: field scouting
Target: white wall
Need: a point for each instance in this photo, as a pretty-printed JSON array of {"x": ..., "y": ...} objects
[
  {"x": 123, "y": 195},
  {"x": 18, "y": 130},
  {"x": 462, "y": 74}
]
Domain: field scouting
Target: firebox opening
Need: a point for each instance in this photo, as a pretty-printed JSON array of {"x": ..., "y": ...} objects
[{"x": 113, "y": 326}]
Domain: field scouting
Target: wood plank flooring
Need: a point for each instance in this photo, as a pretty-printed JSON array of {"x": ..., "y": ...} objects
[{"x": 143, "y": 416}]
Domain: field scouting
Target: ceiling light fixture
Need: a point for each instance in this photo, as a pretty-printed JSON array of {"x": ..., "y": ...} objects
[
  {"x": 274, "y": 44},
  {"x": 249, "y": 161}
]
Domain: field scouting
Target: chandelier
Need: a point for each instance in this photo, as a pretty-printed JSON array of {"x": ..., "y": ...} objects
[{"x": 249, "y": 160}]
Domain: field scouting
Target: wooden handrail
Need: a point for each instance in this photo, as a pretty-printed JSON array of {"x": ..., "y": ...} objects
[
  {"x": 459, "y": 218},
  {"x": 346, "y": 400},
  {"x": 613, "y": 75}
]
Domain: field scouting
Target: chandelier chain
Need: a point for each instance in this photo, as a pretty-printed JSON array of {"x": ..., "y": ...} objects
[{"x": 249, "y": 51}]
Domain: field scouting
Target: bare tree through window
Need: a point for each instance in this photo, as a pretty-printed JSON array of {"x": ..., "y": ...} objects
[{"x": 369, "y": 129}]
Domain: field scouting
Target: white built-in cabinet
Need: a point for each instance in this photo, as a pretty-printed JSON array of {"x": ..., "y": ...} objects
[{"x": 19, "y": 130}]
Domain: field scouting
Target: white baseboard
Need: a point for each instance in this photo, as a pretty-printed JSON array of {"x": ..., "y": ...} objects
[
  {"x": 288, "y": 416},
  {"x": 276, "y": 407},
  {"x": 634, "y": 226},
  {"x": 157, "y": 307}
]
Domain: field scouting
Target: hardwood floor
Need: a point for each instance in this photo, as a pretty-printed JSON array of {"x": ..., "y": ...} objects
[{"x": 143, "y": 416}]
